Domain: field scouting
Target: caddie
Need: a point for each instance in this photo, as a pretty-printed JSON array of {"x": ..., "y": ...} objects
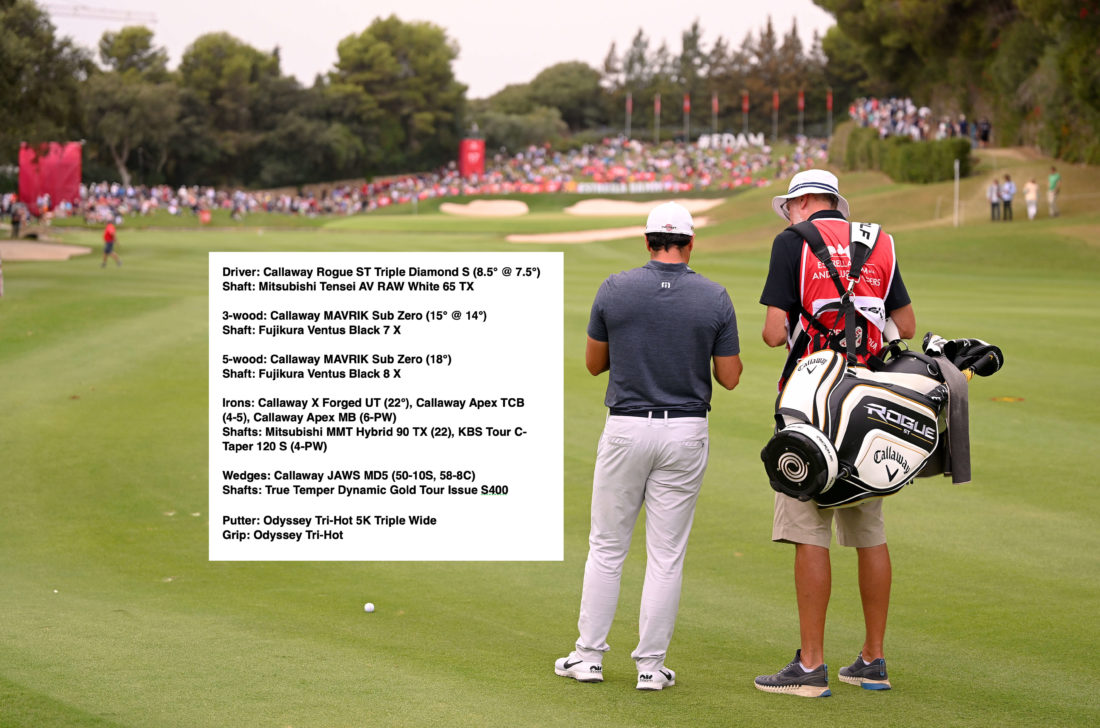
[
  {"x": 659, "y": 330},
  {"x": 799, "y": 293}
]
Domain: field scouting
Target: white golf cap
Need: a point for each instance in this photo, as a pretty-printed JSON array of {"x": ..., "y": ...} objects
[
  {"x": 812, "y": 181},
  {"x": 670, "y": 217}
]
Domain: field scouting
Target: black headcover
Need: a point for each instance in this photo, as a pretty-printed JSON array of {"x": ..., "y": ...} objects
[{"x": 974, "y": 354}]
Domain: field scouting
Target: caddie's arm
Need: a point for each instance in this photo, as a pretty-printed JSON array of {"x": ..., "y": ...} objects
[
  {"x": 775, "y": 327},
  {"x": 727, "y": 370},
  {"x": 597, "y": 356},
  {"x": 905, "y": 320}
]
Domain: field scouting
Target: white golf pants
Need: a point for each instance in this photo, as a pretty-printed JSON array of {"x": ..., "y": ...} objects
[{"x": 658, "y": 463}]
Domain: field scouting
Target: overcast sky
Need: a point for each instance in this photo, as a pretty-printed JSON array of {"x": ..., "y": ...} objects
[{"x": 501, "y": 41}]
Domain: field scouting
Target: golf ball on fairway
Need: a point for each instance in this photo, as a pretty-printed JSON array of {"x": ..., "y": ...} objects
[{"x": 368, "y": 607}]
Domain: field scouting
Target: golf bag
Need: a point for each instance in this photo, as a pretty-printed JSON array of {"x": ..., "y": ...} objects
[{"x": 848, "y": 433}]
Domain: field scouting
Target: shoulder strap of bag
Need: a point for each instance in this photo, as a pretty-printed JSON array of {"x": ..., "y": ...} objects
[{"x": 862, "y": 238}]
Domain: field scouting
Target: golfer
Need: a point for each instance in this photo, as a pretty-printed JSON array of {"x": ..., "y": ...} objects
[
  {"x": 659, "y": 330},
  {"x": 109, "y": 239}
]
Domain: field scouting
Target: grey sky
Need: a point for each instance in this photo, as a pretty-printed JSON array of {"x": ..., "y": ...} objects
[{"x": 502, "y": 41}]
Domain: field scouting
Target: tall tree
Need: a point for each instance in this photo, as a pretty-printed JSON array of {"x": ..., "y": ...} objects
[
  {"x": 123, "y": 113},
  {"x": 132, "y": 107},
  {"x": 693, "y": 60},
  {"x": 638, "y": 71},
  {"x": 1031, "y": 64},
  {"x": 397, "y": 80},
  {"x": 612, "y": 69},
  {"x": 132, "y": 49},
  {"x": 221, "y": 78},
  {"x": 40, "y": 77},
  {"x": 573, "y": 88}
]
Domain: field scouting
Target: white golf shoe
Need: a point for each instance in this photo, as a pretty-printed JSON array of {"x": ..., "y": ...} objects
[
  {"x": 656, "y": 679},
  {"x": 578, "y": 669}
]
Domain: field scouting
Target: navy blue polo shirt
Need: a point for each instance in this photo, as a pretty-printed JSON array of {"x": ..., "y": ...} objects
[{"x": 663, "y": 322}]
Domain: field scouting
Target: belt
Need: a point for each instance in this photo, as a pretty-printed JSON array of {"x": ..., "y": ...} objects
[{"x": 659, "y": 414}]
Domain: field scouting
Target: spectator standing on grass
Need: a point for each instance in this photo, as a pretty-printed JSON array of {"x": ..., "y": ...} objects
[
  {"x": 1031, "y": 198},
  {"x": 660, "y": 331},
  {"x": 1054, "y": 187},
  {"x": 109, "y": 245},
  {"x": 1008, "y": 191},
  {"x": 16, "y": 218},
  {"x": 993, "y": 194},
  {"x": 984, "y": 129}
]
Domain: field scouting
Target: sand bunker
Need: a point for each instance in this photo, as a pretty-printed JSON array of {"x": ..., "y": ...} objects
[
  {"x": 486, "y": 208},
  {"x": 591, "y": 236},
  {"x": 10, "y": 251},
  {"x": 626, "y": 208}
]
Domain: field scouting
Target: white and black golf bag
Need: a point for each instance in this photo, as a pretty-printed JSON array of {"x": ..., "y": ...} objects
[{"x": 847, "y": 433}]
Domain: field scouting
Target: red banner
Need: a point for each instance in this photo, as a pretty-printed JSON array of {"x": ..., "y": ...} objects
[
  {"x": 775, "y": 100},
  {"x": 801, "y": 100},
  {"x": 829, "y": 100},
  {"x": 629, "y": 103},
  {"x": 714, "y": 102},
  {"x": 687, "y": 103},
  {"x": 49, "y": 168},
  {"x": 657, "y": 104},
  {"x": 745, "y": 102},
  {"x": 471, "y": 157}
]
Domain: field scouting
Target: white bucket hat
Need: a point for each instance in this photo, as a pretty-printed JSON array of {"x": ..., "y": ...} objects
[
  {"x": 670, "y": 217},
  {"x": 812, "y": 181}
]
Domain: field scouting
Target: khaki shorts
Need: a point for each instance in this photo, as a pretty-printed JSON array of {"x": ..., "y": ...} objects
[{"x": 859, "y": 526}]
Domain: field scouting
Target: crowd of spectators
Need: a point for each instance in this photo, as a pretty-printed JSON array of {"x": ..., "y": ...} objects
[
  {"x": 669, "y": 167},
  {"x": 902, "y": 117}
]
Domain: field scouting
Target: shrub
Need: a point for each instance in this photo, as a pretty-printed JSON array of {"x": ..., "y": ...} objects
[{"x": 902, "y": 158}]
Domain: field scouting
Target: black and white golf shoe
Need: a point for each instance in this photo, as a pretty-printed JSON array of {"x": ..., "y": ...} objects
[
  {"x": 658, "y": 679},
  {"x": 578, "y": 669}
]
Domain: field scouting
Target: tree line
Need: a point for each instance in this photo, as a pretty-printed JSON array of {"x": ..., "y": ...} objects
[
  {"x": 228, "y": 115},
  {"x": 649, "y": 82},
  {"x": 1031, "y": 66}
]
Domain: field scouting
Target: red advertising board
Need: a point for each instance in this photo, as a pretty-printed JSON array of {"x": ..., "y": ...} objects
[
  {"x": 49, "y": 168},
  {"x": 471, "y": 157}
]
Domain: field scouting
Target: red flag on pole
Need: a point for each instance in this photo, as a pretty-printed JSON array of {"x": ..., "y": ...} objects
[
  {"x": 745, "y": 102},
  {"x": 687, "y": 103},
  {"x": 714, "y": 102},
  {"x": 801, "y": 100},
  {"x": 657, "y": 104},
  {"x": 775, "y": 100},
  {"x": 829, "y": 100},
  {"x": 629, "y": 103}
]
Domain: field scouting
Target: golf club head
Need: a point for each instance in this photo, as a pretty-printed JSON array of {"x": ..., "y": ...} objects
[{"x": 982, "y": 358}]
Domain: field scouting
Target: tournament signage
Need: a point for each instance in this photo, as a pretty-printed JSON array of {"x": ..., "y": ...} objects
[
  {"x": 731, "y": 141},
  {"x": 471, "y": 157}
]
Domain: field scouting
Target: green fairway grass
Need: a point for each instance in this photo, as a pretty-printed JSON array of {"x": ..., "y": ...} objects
[{"x": 111, "y": 615}]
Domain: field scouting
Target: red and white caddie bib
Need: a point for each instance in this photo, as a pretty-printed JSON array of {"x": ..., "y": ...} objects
[{"x": 816, "y": 288}]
